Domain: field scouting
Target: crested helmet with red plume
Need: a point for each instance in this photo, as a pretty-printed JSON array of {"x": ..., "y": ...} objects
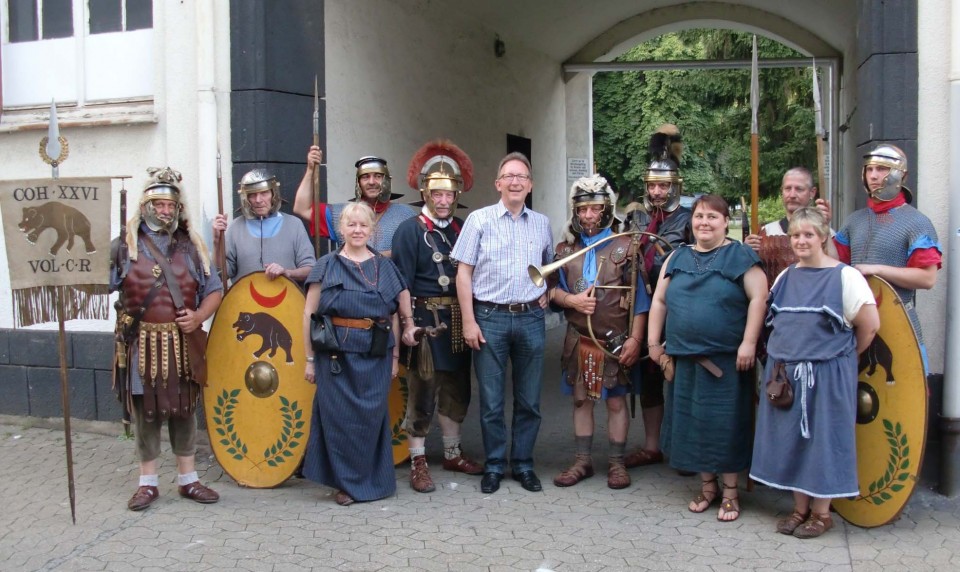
[{"x": 440, "y": 166}]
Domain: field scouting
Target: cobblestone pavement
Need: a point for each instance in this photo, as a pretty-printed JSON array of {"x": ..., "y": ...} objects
[{"x": 297, "y": 526}]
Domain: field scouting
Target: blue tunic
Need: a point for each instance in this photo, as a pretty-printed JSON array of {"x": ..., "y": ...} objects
[
  {"x": 708, "y": 421},
  {"x": 350, "y": 440},
  {"x": 811, "y": 447}
]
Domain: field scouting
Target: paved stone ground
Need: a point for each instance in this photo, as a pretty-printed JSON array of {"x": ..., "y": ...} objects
[{"x": 298, "y": 526}]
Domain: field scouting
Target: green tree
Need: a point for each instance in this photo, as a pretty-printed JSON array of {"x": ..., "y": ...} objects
[{"x": 712, "y": 110}]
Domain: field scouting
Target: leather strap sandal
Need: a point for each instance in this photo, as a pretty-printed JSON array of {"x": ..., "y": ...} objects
[
  {"x": 703, "y": 497},
  {"x": 816, "y": 525},
  {"x": 617, "y": 476},
  {"x": 642, "y": 457},
  {"x": 582, "y": 468},
  {"x": 729, "y": 505},
  {"x": 789, "y": 524}
]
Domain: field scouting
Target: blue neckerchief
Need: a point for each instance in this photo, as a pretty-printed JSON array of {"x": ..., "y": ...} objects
[
  {"x": 265, "y": 227},
  {"x": 590, "y": 258}
]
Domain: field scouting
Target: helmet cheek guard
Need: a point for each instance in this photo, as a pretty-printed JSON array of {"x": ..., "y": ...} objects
[
  {"x": 893, "y": 158},
  {"x": 440, "y": 166},
  {"x": 257, "y": 181},
  {"x": 165, "y": 185},
  {"x": 592, "y": 190},
  {"x": 371, "y": 164}
]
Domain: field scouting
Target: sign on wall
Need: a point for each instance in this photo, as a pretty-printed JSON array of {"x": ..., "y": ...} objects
[
  {"x": 577, "y": 168},
  {"x": 57, "y": 234}
]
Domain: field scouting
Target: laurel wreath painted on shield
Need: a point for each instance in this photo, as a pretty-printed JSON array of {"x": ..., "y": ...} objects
[
  {"x": 291, "y": 433},
  {"x": 892, "y": 481}
]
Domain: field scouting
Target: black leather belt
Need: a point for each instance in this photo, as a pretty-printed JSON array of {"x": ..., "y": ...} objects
[{"x": 513, "y": 308}]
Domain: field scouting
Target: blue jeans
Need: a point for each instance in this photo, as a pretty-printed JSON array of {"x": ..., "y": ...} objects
[{"x": 520, "y": 337}]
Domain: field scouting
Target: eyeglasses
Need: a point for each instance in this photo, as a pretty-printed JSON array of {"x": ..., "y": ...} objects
[{"x": 514, "y": 177}]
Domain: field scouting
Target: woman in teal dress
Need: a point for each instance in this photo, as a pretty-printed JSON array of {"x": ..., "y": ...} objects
[{"x": 710, "y": 302}]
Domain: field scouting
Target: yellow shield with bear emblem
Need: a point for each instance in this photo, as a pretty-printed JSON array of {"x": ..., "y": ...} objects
[
  {"x": 257, "y": 403},
  {"x": 891, "y": 416}
]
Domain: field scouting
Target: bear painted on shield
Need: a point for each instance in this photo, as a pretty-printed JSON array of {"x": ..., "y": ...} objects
[{"x": 270, "y": 330}]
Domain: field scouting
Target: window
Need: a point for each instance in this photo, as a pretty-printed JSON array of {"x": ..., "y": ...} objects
[{"x": 76, "y": 51}]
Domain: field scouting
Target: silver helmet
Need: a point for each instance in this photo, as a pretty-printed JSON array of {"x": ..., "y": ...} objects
[
  {"x": 256, "y": 181},
  {"x": 164, "y": 184},
  {"x": 892, "y": 157},
  {"x": 372, "y": 164},
  {"x": 592, "y": 190},
  {"x": 666, "y": 146}
]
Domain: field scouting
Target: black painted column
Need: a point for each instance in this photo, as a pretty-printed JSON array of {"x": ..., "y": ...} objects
[
  {"x": 887, "y": 81},
  {"x": 276, "y": 50}
]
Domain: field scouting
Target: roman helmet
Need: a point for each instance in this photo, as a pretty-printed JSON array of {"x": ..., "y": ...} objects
[
  {"x": 371, "y": 164},
  {"x": 255, "y": 181},
  {"x": 886, "y": 155},
  {"x": 440, "y": 166},
  {"x": 592, "y": 190},
  {"x": 666, "y": 146},
  {"x": 164, "y": 184}
]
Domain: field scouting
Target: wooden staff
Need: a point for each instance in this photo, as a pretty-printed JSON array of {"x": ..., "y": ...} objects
[
  {"x": 316, "y": 172},
  {"x": 754, "y": 142},
  {"x": 221, "y": 244},
  {"x": 820, "y": 135}
]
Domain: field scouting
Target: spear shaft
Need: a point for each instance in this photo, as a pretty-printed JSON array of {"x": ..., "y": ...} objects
[
  {"x": 316, "y": 171},
  {"x": 221, "y": 246}
]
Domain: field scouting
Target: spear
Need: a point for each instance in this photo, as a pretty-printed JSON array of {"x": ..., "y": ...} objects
[
  {"x": 820, "y": 134},
  {"x": 52, "y": 147},
  {"x": 316, "y": 171},
  {"x": 221, "y": 246},
  {"x": 754, "y": 141}
]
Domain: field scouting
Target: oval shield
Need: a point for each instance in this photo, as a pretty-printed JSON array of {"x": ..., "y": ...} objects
[
  {"x": 891, "y": 416},
  {"x": 257, "y": 404}
]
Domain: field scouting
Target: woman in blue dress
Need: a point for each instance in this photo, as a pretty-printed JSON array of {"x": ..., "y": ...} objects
[
  {"x": 710, "y": 299},
  {"x": 350, "y": 441},
  {"x": 823, "y": 314}
]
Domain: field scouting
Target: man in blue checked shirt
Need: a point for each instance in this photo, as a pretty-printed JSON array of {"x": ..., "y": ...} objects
[{"x": 503, "y": 317}]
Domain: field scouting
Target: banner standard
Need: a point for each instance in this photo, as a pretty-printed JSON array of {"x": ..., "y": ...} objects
[{"x": 57, "y": 234}]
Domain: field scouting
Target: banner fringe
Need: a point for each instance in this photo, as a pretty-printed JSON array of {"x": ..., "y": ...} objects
[{"x": 38, "y": 305}]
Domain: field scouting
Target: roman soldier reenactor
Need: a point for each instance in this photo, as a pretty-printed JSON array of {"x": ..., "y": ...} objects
[
  {"x": 162, "y": 271},
  {"x": 438, "y": 374},
  {"x": 605, "y": 301},
  {"x": 660, "y": 213}
]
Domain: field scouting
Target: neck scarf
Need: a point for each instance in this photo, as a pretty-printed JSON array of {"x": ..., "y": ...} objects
[
  {"x": 590, "y": 258},
  {"x": 884, "y": 206}
]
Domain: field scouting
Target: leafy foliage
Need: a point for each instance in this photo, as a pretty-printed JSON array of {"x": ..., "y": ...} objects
[{"x": 712, "y": 110}]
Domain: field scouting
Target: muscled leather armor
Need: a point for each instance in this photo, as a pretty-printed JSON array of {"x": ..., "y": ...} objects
[{"x": 163, "y": 362}]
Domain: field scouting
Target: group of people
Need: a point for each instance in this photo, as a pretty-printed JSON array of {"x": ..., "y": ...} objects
[{"x": 437, "y": 292}]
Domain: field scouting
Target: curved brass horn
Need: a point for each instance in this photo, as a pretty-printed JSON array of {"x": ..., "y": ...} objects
[{"x": 538, "y": 274}]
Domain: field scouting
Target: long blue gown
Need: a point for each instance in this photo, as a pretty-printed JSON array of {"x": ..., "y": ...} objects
[{"x": 350, "y": 440}]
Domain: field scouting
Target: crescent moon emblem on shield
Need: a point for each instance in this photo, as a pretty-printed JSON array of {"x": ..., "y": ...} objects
[{"x": 267, "y": 301}]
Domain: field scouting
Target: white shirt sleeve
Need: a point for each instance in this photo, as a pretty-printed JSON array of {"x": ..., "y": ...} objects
[{"x": 856, "y": 293}]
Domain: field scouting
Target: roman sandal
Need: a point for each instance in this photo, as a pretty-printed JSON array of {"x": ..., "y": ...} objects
[
  {"x": 729, "y": 505},
  {"x": 706, "y": 496},
  {"x": 789, "y": 524},
  {"x": 816, "y": 525},
  {"x": 582, "y": 468}
]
